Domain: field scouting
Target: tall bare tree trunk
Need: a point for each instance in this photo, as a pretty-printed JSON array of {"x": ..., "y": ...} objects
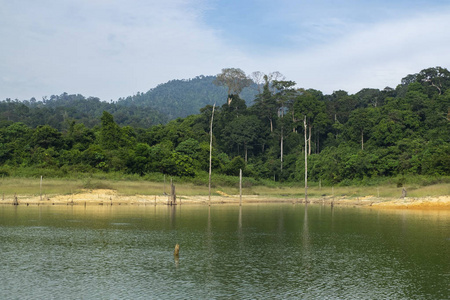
[
  {"x": 210, "y": 152},
  {"x": 306, "y": 164},
  {"x": 362, "y": 140},
  {"x": 281, "y": 146},
  {"x": 293, "y": 121},
  {"x": 245, "y": 150},
  {"x": 240, "y": 187},
  {"x": 309, "y": 141}
]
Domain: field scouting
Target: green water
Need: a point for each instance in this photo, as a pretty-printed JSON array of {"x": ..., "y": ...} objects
[{"x": 226, "y": 252}]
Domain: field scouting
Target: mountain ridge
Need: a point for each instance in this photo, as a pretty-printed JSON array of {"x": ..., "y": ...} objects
[{"x": 184, "y": 96}]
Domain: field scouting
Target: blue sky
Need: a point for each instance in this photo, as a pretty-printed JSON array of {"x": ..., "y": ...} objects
[{"x": 115, "y": 48}]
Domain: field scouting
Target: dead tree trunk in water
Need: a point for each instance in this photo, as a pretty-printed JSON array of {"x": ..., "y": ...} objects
[
  {"x": 173, "y": 194},
  {"x": 240, "y": 187},
  {"x": 40, "y": 190},
  {"x": 306, "y": 164},
  {"x": 172, "y": 198}
]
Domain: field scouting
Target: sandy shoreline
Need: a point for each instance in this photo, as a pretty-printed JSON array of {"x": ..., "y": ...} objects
[{"x": 111, "y": 197}]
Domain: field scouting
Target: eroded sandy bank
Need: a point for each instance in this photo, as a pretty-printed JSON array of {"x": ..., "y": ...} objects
[{"x": 111, "y": 197}]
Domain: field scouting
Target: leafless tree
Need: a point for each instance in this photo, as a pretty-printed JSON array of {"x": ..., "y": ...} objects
[{"x": 234, "y": 79}]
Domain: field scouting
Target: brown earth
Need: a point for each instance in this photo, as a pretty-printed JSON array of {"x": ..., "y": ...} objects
[
  {"x": 442, "y": 202},
  {"x": 111, "y": 197}
]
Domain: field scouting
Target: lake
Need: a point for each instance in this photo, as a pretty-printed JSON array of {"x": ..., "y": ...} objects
[{"x": 275, "y": 251}]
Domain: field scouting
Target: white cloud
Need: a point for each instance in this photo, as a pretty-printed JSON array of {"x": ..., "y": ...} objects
[
  {"x": 378, "y": 56},
  {"x": 114, "y": 48},
  {"x": 104, "y": 48}
]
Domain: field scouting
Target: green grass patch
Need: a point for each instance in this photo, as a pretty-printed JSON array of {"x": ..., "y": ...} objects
[{"x": 157, "y": 184}]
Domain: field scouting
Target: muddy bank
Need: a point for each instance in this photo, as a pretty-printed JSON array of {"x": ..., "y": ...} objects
[
  {"x": 111, "y": 197},
  {"x": 442, "y": 202}
]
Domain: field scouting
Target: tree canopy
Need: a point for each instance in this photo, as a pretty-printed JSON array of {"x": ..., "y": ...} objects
[{"x": 352, "y": 138}]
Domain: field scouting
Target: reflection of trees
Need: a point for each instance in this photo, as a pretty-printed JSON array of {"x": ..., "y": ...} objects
[
  {"x": 172, "y": 221},
  {"x": 281, "y": 223},
  {"x": 305, "y": 232},
  {"x": 172, "y": 216},
  {"x": 240, "y": 220},
  {"x": 306, "y": 242},
  {"x": 209, "y": 255}
]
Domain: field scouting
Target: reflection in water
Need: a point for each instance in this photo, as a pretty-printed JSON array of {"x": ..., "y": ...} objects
[
  {"x": 240, "y": 233},
  {"x": 240, "y": 219},
  {"x": 305, "y": 232},
  {"x": 172, "y": 214},
  {"x": 209, "y": 248},
  {"x": 280, "y": 223},
  {"x": 173, "y": 226},
  {"x": 209, "y": 222},
  {"x": 176, "y": 255},
  {"x": 280, "y": 251},
  {"x": 306, "y": 255}
]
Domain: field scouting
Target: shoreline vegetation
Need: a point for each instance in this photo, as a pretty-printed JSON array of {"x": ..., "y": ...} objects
[
  {"x": 26, "y": 191},
  {"x": 369, "y": 147}
]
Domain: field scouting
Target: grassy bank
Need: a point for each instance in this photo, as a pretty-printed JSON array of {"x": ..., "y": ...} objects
[{"x": 157, "y": 186}]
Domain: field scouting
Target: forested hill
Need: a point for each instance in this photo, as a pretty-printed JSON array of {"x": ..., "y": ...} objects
[
  {"x": 171, "y": 100},
  {"x": 181, "y": 98}
]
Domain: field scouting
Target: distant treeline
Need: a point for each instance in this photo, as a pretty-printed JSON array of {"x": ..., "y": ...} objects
[
  {"x": 59, "y": 111},
  {"x": 350, "y": 138},
  {"x": 168, "y": 101}
]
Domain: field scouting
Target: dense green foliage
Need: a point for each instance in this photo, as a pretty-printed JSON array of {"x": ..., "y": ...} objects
[
  {"x": 60, "y": 111},
  {"x": 352, "y": 138}
]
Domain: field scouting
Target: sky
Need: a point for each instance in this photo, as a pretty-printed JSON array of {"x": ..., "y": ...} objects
[{"x": 116, "y": 48}]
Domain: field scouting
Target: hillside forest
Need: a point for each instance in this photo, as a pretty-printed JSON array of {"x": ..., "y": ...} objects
[{"x": 349, "y": 138}]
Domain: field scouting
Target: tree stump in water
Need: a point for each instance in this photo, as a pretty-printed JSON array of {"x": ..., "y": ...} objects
[
  {"x": 176, "y": 252},
  {"x": 403, "y": 193},
  {"x": 172, "y": 197},
  {"x": 16, "y": 200}
]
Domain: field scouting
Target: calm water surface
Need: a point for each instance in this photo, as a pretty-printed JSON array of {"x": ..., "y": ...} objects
[{"x": 253, "y": 252}]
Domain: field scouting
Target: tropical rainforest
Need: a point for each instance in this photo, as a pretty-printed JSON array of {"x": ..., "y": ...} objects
[{"x": 348, "y": 138}]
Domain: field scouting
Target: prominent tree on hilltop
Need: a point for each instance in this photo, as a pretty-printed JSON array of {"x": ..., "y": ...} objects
[
  {"x": 259, "y": 79},
  {"x": 433, "y": 79},
  {"x": 234, "y": 79},
  {"x": 438, "y": 78}
]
